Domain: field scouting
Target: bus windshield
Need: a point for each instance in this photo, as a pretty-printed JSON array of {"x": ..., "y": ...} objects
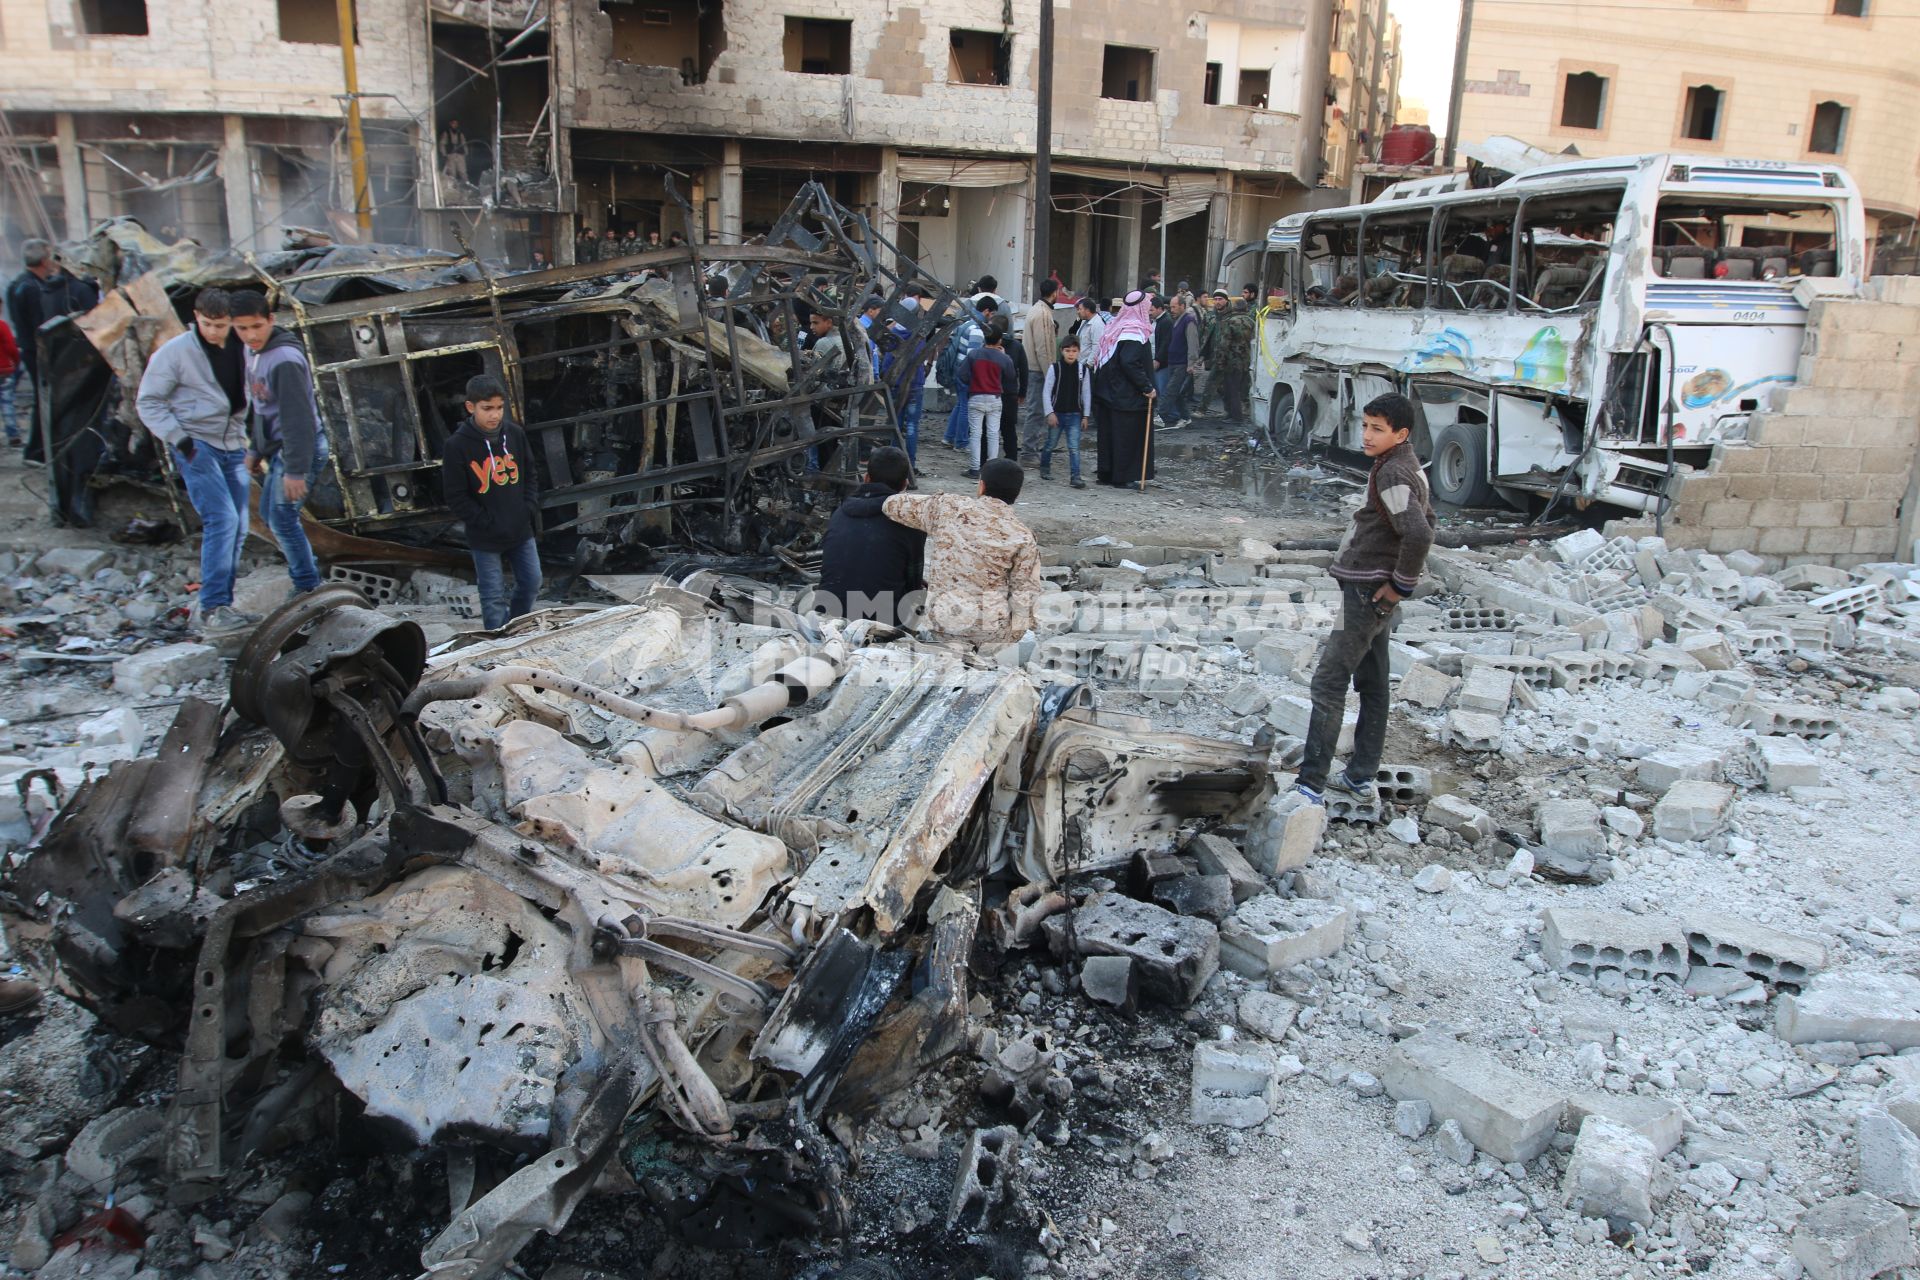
[{"x": 1704, "y": 238}]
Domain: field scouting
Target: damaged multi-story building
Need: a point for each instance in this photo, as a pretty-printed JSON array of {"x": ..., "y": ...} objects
[{"x": 1176, "y": 133}]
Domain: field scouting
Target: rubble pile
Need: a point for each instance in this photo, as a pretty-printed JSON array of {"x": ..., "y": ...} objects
[{"x": 1617, "y": 972}]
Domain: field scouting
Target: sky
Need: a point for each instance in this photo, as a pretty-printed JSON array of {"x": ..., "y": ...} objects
[{"x": 1427, "y": 31}]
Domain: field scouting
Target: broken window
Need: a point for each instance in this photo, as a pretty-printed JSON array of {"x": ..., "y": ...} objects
[
  {"x": 1127, "y": 74},
  {"x": 819, "y": 46},
  {"x": 687, "y": 34},
  {"x": 1584, "y": 104},
  {"x": 1722, "y": 239},
  {"x": 979, "y": 57},
  {"x": 113, "y": 17},
  {"x": 1330, "y": 263},
  {"x": 1210, "y": 90},
  {"x": 1850, "y": 8},
  {"x": 1561, "y": 252},
  {"x": 1253, "y": 87},
  {"x": 1701, "y": 119},
  {"x": 1473, "y": 245},
  {"x": 1829, "y": 134},
  {"x": 313, "y": 22},
  {"x": 1393, "y": 259}
]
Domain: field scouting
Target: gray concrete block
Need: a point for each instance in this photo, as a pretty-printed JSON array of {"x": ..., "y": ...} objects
[
  {"x": 172, "y": 665},
  {"x": 1773, "y": 955},
  {"x": 1425, "y": 685},
  {"x": 1460, "y": 817},
  {"x": 1173, "y": 955},
  {"x": 1611, "y": 1173},
  {"x": 1571, "y": 827},
  {"x": 1219, "y": 856},
  {"x": 1266, "y": 1014},
  {"x": 1507, "y": 1115},
  {"x": 1692, "y": 810},
  {"x": 81, "y": 562},
  {"x": 1678, "y": 763},
  {"x": 1487, "y": 689},
  {"x": 1473, "y": 730},
  {"x": 1232, "y": 1086},
  {"x": 1285, "y": 833},
  {"x": 1853, "y": 1237},
  {"x": 1660, "y": 1122},
  {"x": 1587, "y": 940},
  {"x": 1784, "y": 763},
  {"x": 1889, "y": 1157},
  {"x": 1269, "y": 933},
  {"x": 1853, "y": 1005},
  {"x": 1108, "y": 980}
]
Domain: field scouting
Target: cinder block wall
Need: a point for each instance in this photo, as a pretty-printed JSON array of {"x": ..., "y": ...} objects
[{"x": 1825, "y": 475}]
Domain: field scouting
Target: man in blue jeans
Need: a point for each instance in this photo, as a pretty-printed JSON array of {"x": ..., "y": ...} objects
[
  {"x": 193, "y": 396},
  {"x": 289, "y": 446},
  {"x": 486, "y": 476}
]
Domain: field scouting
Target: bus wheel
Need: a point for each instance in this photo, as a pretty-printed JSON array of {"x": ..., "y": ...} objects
[
  {"x": 1281, "y": 423},
  {"x": 1458, "y": 474}
]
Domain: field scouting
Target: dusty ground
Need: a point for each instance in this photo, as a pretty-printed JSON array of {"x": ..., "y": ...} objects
[{"x": 1115, "y": 1182}]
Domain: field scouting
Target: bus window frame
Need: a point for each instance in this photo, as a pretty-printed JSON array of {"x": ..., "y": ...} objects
[
  {"x": 1307, "y": 231},
  {"x": 1393, "y": 216},
  {"x": 1518, "y": 200},
  {"x": 1533, "y": 274}
]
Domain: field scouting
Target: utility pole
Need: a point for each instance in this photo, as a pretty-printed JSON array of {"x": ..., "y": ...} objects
[
  {"x": 1043, "y": 153},
  {"x": 356, "y": 141},
  {"x": 1459, "y": 79}
]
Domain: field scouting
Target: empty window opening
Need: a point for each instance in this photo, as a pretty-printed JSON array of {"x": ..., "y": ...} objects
[
  {"x": 1585, "y": 102},
  {"x": 1829, "y": 136},
  {"x": 979, "y": 57},
  {"x": 819, "y": 46},
  {"x": 1702, "y": 117},
  {"x": 684, "y": 34},
  {"x": 1127, "y": 74},
  {"x": 113, "y": 17},
  {"x": 313, "y": 22},
  {"x": 1850, "y": 8},
  {"x": 1253, "y": 87},
  {"x": 1210, "y": 92}
]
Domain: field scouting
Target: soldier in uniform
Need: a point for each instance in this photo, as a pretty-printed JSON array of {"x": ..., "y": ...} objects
[
  {"x": 1235, "y": 345},
  {"x": 983, "y": 565},
  {"x": 1210, "y": 383}
]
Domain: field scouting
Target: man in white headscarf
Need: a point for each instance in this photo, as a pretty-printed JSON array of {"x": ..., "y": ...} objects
[{"x": 1123, "y": 395}]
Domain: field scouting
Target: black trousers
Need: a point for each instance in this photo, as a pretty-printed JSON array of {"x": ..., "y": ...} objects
[{"x": 1356, "y": 654}]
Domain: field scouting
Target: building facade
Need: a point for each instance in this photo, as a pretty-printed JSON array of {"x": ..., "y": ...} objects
[
  {"x": 1826, "y": 80},
  {"x": 1363, "y": 87},
  {"x": 512, "y": 127}
]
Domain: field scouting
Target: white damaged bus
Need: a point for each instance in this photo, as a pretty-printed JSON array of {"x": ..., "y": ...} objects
[{"x": 1578, "y": 331}]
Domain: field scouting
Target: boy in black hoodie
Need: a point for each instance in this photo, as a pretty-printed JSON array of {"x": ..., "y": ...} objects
[
  {"x": 871, "y": 567},
  {"x": 487, "y": 474}
]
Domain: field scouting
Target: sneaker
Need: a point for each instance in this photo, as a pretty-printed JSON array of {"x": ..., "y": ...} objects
[
  {"x": 973, "y": 473},
  {"x": 227, "y": 618},
  {"x": 1359, "y": 789},
  {"x": 1313, "y": 797},
  {"x": 1078, "y": 483},
  {"x": 1045, "y": 474}
]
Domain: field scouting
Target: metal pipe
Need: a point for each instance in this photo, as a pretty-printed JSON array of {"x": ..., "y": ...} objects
[
  {"x": 1457, "y": 94},
  {"x": 356, "y": 140}
]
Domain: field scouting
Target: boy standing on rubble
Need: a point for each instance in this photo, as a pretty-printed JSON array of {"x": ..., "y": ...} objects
[
  {"x": 287, "y": 450},
  {"x": 983, "y": 566},
  {"x": 487, "y": 476},
  {"x": 1378, "y": 565}
]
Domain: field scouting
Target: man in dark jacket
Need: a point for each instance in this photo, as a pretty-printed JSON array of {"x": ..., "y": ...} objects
[
  {"x": 1122, "y": 393},
  {"x": 486, "y": 476},
  {"x": 42, "y": 292},
  {"x": 871, "y": 567},
  {"x": 288, "y": 447}
]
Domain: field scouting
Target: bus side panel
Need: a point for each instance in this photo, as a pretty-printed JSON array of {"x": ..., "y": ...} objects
[
  {"x": 1722, "y": 373},
  {"x": 1540, "y": 352}
]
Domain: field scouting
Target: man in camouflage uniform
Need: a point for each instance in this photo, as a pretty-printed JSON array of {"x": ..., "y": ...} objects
[
  {"x": 982, "y": 566},
  {"x": 1210, "y": 382},
  {"x": 1234, "y": 344}
]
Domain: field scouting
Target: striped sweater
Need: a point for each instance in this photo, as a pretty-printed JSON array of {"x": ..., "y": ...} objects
[{"x": 1393, "y": 529}]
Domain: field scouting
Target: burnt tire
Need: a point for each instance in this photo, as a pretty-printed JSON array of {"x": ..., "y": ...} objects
[{"x": 1457, "y": 473}]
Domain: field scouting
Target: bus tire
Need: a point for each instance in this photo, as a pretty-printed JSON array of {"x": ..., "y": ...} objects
[
  {"x": 1458, "y": 473},
  {"x": 1281, "y": 423}
]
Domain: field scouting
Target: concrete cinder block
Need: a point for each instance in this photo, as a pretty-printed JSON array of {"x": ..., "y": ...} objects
[
  {"x": 1285, "y": 833},
  {"x": 1571, "y": 827},
  {"x": 1853, "y": 1005},
  {"x": 1173, "y": 955},
  {"x": 172, "y": 665},
  {"x": 81, "y": 562},
  {"x": 1659, "y": 1121},
  {"x": 1853, "y": 1237},
  {"x": 1291, "y": 713},
  {"x": 1473, "y": 730},
  {"x": 1486, "y": 689},
  {"x": 1270, "y": 933},
  {"x": 1611, "y": 1173},
  {"x": 1586, "y": 940},
  {"x": 1773, "y": 955},
  {"x": 1507, "y": 1115},
  {"x": 1460, "y": 817},
  {"x": 1889, "y": 1157},
  {"x": 1661, "y": 770},
  {"x": 1425, "y": 685},
  {"x": 1692, "y": 810},
  {"x": 1268, "y": 1015},
  {"x": 1109, "y": 980},
  {"x": 1219, "y": 856},
  {"x": 1232, "y": 1086}
]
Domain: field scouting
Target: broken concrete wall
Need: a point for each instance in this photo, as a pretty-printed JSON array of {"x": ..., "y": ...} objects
[{"x": 1827, "y": 475}]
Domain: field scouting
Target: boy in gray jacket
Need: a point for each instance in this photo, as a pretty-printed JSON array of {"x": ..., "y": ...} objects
[
  {"x": 289, "y": 444},
  {"x": 193, "y": 396}
]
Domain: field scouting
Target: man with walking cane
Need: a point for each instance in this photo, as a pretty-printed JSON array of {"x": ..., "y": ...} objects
[{"x": 1123, "y": 392}]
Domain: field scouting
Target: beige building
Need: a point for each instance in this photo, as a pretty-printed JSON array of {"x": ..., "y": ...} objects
[
  {"x": 1175, "y": 132},
  {"x": 1827, "y": 80},
  {"x": 1363, "y": 87}
]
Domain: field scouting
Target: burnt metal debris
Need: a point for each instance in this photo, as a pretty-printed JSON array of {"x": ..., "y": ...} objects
[
  {"x": 667, "y": 396},
  {"x": 698, "y": 871}
]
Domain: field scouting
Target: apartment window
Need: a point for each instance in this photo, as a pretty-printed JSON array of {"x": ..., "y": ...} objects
[
  {"x": 1829, "y": 136},
  {"x": 113, "y": 17},
  {"x": 1585, "y": 102},
  {"x": 1210, "y": 92},
  {"x": 979, "y": 57},
  {"x": 1850, "y": 8},
  {"x": 1253, "y": 87},
  {"x": 1701, "y": 118},
  {"x": 1127, "y": 74},
  {"x": 313, "y": 22},
  {"x": 687, "y": 34},
  {"x": 819, "y": 46}
]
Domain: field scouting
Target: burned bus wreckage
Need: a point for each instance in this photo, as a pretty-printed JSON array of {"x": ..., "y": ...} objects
[
  {"x": 667, "y": 395},
  {"x": 699, "y": 872}
]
